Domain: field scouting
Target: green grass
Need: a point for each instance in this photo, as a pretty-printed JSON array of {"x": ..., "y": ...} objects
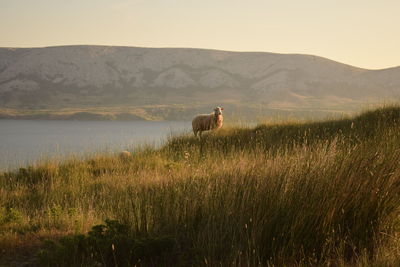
[{"x": 318, "y": 193}]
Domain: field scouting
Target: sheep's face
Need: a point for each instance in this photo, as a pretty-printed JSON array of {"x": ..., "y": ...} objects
[{"x": 218, "y": 111}]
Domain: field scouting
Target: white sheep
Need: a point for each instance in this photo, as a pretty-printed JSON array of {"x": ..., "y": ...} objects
[
  {"x": 125, "y": 154},
  {"x": 206, "y": 122}
]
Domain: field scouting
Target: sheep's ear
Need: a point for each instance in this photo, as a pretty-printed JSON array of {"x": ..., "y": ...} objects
[{"x": 222, "y": 108}]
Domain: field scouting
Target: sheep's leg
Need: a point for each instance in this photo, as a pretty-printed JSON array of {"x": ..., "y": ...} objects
[{"x": 195, "y": 133}]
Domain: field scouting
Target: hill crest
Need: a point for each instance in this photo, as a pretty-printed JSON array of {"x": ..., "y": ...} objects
[{"x": 90, "y": 76}]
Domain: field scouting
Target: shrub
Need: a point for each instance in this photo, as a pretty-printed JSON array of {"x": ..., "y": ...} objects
[{"x": 109, "y": 244}]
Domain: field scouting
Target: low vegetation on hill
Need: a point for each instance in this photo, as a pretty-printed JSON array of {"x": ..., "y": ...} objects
[{"x": 288, "y": 194}]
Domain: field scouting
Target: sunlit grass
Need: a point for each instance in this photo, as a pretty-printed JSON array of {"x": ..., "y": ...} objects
[{"x": 281, "y": 194}]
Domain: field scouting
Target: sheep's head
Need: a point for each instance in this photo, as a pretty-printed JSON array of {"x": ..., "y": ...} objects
[{"x": 218, "y": 111}]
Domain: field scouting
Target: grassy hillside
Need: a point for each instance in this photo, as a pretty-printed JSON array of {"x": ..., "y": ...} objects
[{"x": 321, "y": 193}]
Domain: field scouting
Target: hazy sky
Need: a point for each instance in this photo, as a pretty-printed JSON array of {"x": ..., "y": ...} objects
[{"x": 363, "y": 33}]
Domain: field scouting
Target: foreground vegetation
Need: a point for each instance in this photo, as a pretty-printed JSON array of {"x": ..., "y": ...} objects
[{"x": 322, "y": 193}]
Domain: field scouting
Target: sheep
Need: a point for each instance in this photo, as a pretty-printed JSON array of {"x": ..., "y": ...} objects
[
  {"x": 206, "y": 122},
  {"x": 124, "y": 154}
]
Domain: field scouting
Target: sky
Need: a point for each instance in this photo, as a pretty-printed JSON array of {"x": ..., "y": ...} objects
[{"x": 362, "y": 33}]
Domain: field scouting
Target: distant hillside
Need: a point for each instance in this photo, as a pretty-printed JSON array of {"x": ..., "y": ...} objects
[{"x": 108, "y": 76}]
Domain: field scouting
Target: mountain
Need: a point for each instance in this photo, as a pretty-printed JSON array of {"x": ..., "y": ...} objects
[{"x": 78, "y": 77}]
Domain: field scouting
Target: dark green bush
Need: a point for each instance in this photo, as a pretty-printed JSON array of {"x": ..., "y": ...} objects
[{"x": 109, "y": 244}]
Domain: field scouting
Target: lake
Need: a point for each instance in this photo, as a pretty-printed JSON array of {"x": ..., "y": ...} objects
[{"x": 24, "y": 142}]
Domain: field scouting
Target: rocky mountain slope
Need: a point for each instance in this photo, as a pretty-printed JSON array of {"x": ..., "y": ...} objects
[{"x": 89, "y": 76}]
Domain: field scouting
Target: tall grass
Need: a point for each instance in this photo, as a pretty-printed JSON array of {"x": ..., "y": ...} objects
[{"x": 322, "y": 193}]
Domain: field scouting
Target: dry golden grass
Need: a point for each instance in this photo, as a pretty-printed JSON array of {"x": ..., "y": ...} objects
[{"x": 325, "y": 193}]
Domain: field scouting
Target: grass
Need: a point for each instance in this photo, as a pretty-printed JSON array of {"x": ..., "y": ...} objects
[{"x": 298, "y": 194}]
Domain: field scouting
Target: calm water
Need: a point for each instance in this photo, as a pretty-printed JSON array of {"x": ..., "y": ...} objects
[{"x": 25, "y": 141}]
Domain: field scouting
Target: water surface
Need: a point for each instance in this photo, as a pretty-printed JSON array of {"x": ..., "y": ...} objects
[{"x": 28, "y": 141}]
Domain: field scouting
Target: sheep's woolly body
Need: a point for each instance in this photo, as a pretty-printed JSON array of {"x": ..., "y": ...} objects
[
  {"x": 206, "y": 122},
  {"x": 124, "y": 154}
]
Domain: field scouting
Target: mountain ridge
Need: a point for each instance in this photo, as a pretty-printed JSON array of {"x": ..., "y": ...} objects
[
  {"x": 197, "y": 48},
  {"x": 92, "y": 76}
]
